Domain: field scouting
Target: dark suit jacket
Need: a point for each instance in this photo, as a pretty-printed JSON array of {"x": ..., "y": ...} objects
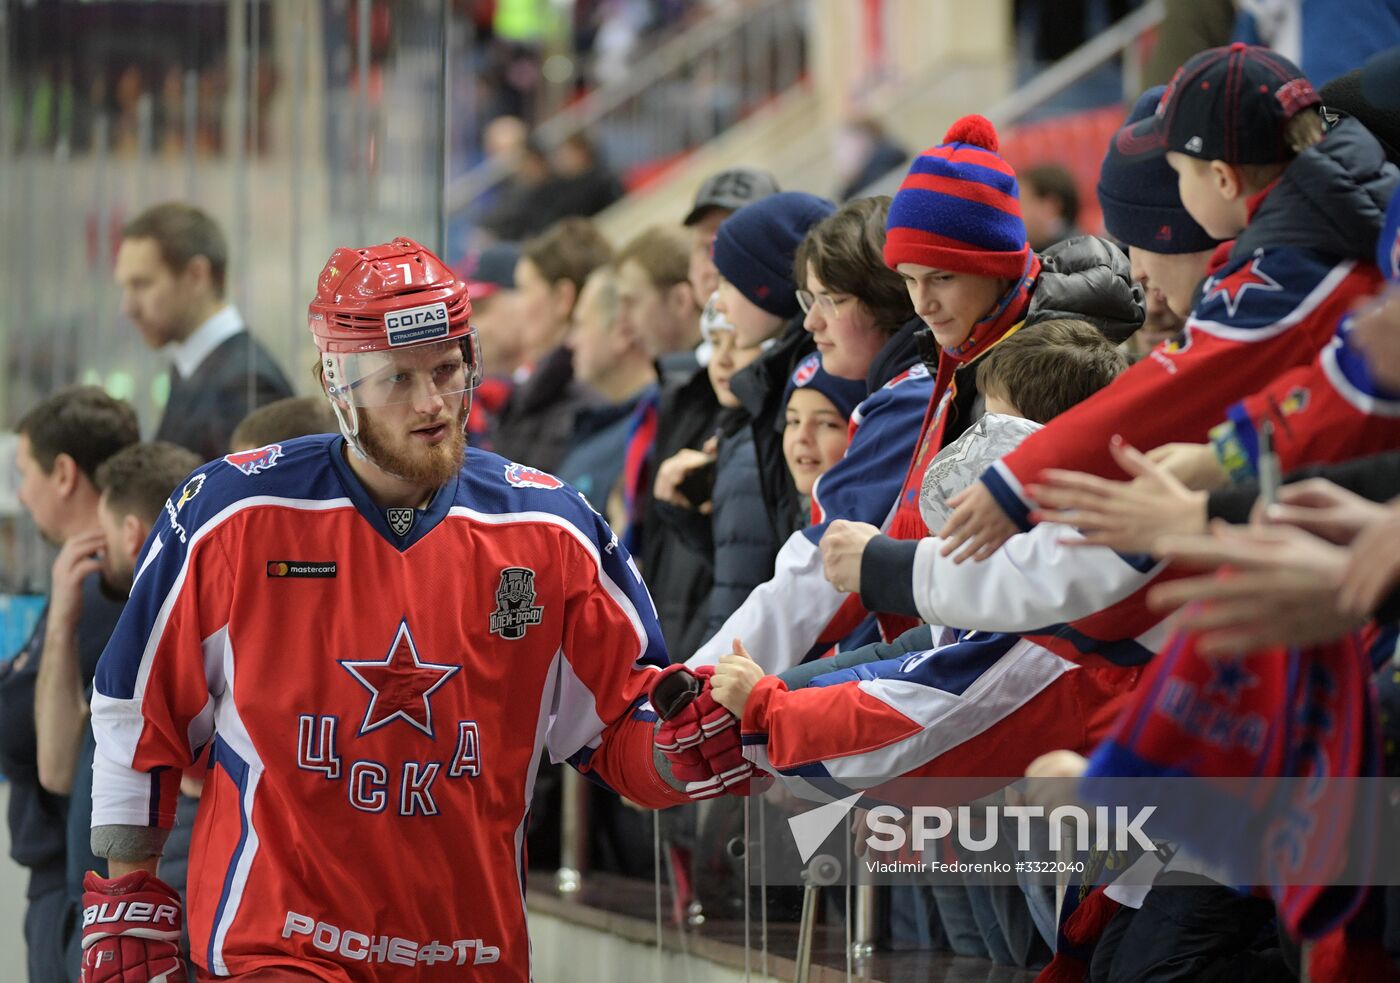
[{"x": 204, "y": 409}]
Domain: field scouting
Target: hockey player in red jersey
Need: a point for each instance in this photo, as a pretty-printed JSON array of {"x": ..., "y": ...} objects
[{"x": 380, "y": 634}]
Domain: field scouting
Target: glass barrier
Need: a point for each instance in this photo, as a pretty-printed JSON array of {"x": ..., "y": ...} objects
[{"x": 297, "y": 126}]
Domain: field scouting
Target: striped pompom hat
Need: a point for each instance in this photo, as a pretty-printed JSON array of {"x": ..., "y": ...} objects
[{"x": 959, "y": 208}]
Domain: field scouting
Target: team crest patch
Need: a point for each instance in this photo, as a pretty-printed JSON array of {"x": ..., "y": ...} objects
[
  {"x": 172, "y": 509},
  {"x": 191, "y": 489},
  {"x": 916, "y": 371},
  {"x": 516, "y": 609},
  {"x": 525, "y": 477},
  {"x": 400, "y": 520},
  {"x": 257, "y": 460},
  {"x": 1232, "y": 289},
  {"x": 1177, "y": 345},
  {"x": 1295, "y": 402}
]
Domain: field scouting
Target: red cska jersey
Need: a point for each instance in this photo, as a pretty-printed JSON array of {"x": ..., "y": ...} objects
[
  {"x": 1260, "y": 316},
  {"x": 378, "y": 686},
  {"x": 1331, "y": 410}
]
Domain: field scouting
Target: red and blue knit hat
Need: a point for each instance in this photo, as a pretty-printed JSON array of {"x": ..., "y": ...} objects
[{"x": 959, "y": 208}]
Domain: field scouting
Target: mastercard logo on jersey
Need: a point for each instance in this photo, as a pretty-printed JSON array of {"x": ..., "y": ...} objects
[
  {"x": 525, "y": 477},
  {"x": 257, "y": 460},
  {"x": 301, "y": 568}
]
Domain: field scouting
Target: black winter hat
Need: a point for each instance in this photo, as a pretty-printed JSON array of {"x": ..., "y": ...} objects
[
  {"x": 1139, "y": 197},
  {"x": 755, "y": 246}
]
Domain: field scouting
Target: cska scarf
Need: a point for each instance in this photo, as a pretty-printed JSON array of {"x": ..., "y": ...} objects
[
  {"x": 1005, "y": 320},
  {"x": 1278, "y": 713}
]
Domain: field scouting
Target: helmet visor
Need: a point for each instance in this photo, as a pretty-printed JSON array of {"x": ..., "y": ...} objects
[{"x": 405, "y": 375}]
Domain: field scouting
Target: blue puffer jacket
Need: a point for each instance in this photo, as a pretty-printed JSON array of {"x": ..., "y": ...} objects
[{"x": 745, "y": 543}]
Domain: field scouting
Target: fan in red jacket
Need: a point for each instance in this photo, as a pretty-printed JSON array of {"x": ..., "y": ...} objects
[{"x": 1306, "y": 209}]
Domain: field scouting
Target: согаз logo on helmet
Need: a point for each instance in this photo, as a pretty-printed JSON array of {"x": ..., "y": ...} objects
[{"x": 413, "y": 325}]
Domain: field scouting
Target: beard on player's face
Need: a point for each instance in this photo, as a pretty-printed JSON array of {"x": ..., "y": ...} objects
[{"x": 393, "y": 448}]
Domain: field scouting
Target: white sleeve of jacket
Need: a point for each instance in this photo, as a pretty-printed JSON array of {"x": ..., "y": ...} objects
[
  {"x": 781, "y": 619},
  {"x": 1034, "y": 581}
]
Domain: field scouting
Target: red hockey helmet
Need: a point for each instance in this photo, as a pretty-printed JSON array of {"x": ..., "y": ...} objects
[
  {"x": 378, "y": 300},
  {"x": 387, "y": 296}
]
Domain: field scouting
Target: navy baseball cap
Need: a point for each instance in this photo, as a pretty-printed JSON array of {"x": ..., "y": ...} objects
[
  {"x": 845, "y": 394},
  {"x": 1231, "y": 104}
]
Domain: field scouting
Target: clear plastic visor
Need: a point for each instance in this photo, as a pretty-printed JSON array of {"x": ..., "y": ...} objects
[{"x": 405, "y": 375}]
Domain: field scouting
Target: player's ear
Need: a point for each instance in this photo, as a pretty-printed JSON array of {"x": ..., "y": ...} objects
[{"x": 134, "y": 533}]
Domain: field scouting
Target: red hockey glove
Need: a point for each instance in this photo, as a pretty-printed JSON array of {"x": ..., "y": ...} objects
[
  {"x": 131, "y": 930},
  {"x": 699, "y": 737}
]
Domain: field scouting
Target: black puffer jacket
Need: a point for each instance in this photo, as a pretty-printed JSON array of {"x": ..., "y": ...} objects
[
  {"x": 1089, "y": 279},
  {"x": 677, "y": 575},
  {"x": 745, "y": 545},
  {"x": 735, "y": 537},
  {"x": 1085, "y": 278},
  {"x": 1331, "y": 199}
]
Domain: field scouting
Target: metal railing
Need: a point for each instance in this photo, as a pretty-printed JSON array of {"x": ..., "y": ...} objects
[
  {"x": 678, "y": 97},
  {"x": 1120, "y": 40}
]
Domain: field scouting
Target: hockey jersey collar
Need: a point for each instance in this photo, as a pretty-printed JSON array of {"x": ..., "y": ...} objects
[{"x": 424, "y": 520}]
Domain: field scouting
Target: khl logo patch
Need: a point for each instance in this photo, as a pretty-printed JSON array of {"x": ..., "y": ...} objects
[{"x": 400, "y": 520}]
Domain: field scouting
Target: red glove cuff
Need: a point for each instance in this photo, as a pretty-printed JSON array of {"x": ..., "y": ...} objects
[
  {"x": 131, "y": 929},
  {"x": 703, "y": 746}
]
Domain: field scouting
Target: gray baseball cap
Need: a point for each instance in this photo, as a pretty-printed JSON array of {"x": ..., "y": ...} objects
[{"x": 731, "y": 189}]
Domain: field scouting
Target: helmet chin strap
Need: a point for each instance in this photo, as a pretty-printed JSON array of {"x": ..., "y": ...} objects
[{"x": 347, "y": 415}]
